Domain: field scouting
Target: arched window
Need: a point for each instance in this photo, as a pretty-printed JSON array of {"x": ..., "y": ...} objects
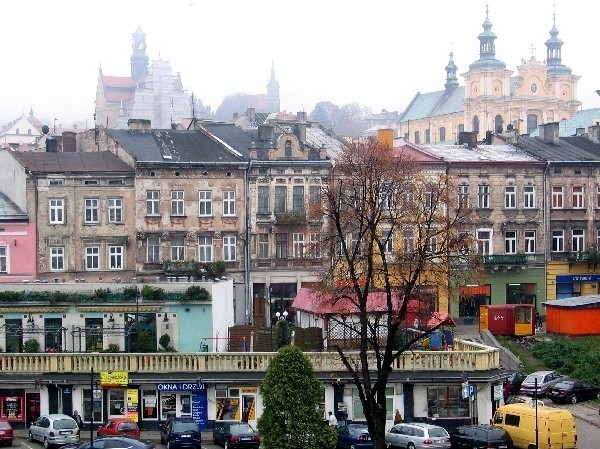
[
  {"x": 498, "y": 124},
  {"x": 476, "y": 124},
  {"x": 288, "y": 147},
  {"x": 442, "y": 134},
  {"x": 532, "y": 123}
]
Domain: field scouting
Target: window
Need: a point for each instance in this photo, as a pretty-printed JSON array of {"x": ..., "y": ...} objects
[
  {"x": 205, "y": 203},
  {"x": 431, "y": 247},
  {"x": 205, "y": 248},
  {"x": 263, "y": 246},
  {"x": 152, "y": 202},
  {"x": 529, "y": 242},
  {"x": 510, "y": 242},
  {"x": 315, "y": 245},
  {"x": 57, "y": 211},
  {"x": 532, "y": 123},
  {"x": 557, "y": 197},
  {"x": 529, "y": 197},
  {"x": 281, "y": 246},
  {"x": 578, "y": 197},
  {"x": 386, "y": 196},
  {"x": 558, "y": 241},
  {"x": 3, "y": 259},
  {"x": 298, "y": 199},
  {"x": 510, "y": 197},
  {"x": 178, "y": 248},
  {"x": 484, "y": 241},
  {"x": 598, "y": 239},
  {"x": 483, "y": 196},
  {"x": 91, "y": 210},
  {"x": 463, "y": 196},
  {"x": 153, "y": 244},
  {"x": 442, "y": 134},
  {"x": 388, "y": 240},
  {"x": 57, "y": 258},
  {"x": 417, "y": 137},
  {"x": 229, "y": 203},
  {"x": 263, "y": 199},
  {"x": 427, "y": 136},
  {"x": 298, "y": 244},
  {"x": 446, "y": 402},
  {"x": 408, "y": 241},
  {"x": 115, "y": 257},
  {"x": 577, "y": 240},
  {"x": 288, "y": 148},
  {"x": 115, "y": 210},
  {"x": 92, "y": 257},
  {"x": 177, "y": 203},
  {"x": 280, "y": 199},
  {"x": 229, "y": 245},
  {"x": 598, "y": 196}
]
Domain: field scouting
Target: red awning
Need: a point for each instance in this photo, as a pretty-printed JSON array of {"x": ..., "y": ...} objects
[{"x": 440, "y": 318}]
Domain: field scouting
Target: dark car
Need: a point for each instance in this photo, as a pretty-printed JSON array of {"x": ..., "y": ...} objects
[
  {"x": 180, "y": 433},
  {"x": 572, "y": 390},
  {"x": 512, "y": 383},
  {"x": 235, "y": 435},
  {"x": 485, "y": 435},
  {"x": 112, "y": 443},
  {"x": 6, "y": 433},
  {"x": 354, "y": 436}
]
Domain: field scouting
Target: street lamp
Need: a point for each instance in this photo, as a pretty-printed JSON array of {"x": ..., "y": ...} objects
[
  {"x": 281, "y": 316},
  {"x": 138, "y": 296}
]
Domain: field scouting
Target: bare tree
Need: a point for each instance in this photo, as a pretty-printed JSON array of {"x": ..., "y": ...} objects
[{"x": 394, "y": 226}]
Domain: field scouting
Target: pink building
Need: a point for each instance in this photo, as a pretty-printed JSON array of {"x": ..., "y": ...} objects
[{"x": 18, "y": 258}]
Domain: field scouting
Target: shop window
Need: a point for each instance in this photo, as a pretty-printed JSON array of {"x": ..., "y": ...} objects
[
  {"x": 92, "y": 405},
  {"x": 446, "y": 402},
  {"x": 12, "y": 407},
  {"x": 150, "y": 409},
  {"x": 521, "y": 293},
  {"x": 168, "y": 405},
  {"x": 116, "y": 402},
  {"x": 472, "y": 297}
]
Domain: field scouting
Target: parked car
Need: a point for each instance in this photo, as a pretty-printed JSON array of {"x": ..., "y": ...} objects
[
  {"x": 6, "y": 433},
  {"x": 485, "y": 435},
  {"x": 354, "y": 436},
  {"x": 119, "y": 427},
  {"x": 417, "y": 436},
  {"x": 180, "y": 433},
  {"x": 54, "y": 430},
  {"x": 544, "y": 379},
  {"x": 235, "y": 435},
  {"x": 512, "y": 383},
  {"x": 572, "y": 390},
  {"x": 118, "y": 442}
]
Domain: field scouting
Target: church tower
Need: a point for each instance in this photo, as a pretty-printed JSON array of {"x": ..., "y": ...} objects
[
  {"x": 139, "y": 58},
  {"x": 553, "y": 52},
  {"x": 451, "y": 79},
  {"x": 273, "y": 103}
]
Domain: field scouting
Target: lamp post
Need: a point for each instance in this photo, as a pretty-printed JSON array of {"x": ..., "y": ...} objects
[
  {"x": 91, "y": 407},
  {"x": 137, "y": 318}
]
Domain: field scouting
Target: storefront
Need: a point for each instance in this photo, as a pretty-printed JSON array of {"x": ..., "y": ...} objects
[
  {"x": 236, "y": 403},
  {"x": 568, "y": 286}
]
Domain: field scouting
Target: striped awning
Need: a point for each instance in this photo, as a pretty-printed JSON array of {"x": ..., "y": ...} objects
[
  {"x": 33, "y": 309},
  {"x": 119, "y": 309}
]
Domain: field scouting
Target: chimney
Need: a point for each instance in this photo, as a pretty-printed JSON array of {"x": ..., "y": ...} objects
[
  {"x": 488, "y": 137},
  {"x": 69, "y": 141},
  {"x": 580, "y": 132},
  {"x": 323, "y": 152},
  {"x": 468, "y": 137},
  {"x": 51, "y": 145},
  {"x": 251, "y": 114},
  {"x": 301, "y": 116},
  {"x": 549, "y": 133},
  {"x": 386, "y": 137},
  {"x": 300, "y": 131},
  {"x": 265, "y": 133},
  {"x": 594, "y": 133},
  {"x": 139, "y": 124}
]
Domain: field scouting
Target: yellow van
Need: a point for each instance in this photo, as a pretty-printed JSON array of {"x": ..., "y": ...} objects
[{"x": 556, "y": 426}]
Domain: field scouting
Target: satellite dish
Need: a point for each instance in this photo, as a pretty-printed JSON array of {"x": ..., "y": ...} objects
[{"x": 45, "y": 129}]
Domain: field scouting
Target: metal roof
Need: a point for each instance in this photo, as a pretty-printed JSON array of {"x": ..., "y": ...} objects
[
  {"x": 576, "y": 301},
  {"x": 104, "y": 161},
  {"x": 568, "y": 149},
  {"x": 434, "y": 104},
  {"x": 481, "y": 153},
  {"x": 9, "y": 210},
  {"x": 581, "y": 119}
]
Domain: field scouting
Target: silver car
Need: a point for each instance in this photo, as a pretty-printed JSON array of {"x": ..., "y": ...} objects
[
  {"x": 544, "y": 380},
  {"x": 417, "y": 436},
  {"x": 54, "y": 430}
]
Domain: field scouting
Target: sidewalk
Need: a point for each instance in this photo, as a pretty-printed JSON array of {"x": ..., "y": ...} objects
[{"x": 148, "y": 435}]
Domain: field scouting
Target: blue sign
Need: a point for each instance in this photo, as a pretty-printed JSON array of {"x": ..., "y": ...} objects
[
  {"x": 578, "y": 278},
  {"x": 464, "y": 376},
  {"x": 199, "y": 409},
  {"x": 180, "y": 386}
]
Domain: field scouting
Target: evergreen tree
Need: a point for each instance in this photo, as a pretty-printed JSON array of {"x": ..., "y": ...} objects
[{"x": 291, "y": 395}]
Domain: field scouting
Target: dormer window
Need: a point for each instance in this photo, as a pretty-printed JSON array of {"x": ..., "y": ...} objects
[{"x": 288, "y": 148}]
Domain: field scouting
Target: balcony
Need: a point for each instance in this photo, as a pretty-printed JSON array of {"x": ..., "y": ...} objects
[
  {"x": 297, "y": 218},
  {"x": 591, "y": 256},
  {"x": 466, "y": 356}
]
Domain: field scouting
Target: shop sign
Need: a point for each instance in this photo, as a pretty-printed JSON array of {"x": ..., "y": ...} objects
[
  {"x": 578, "y": 278},
  {"x": 132, "y": 404},
  {"x": 179, "y": 386},
  {"x": 114, "y": 378}
]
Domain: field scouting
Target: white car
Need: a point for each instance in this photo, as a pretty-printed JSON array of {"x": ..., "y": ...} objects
[
  {"x": 417, "y": 436},
  {"x": 54, "y": 430}
]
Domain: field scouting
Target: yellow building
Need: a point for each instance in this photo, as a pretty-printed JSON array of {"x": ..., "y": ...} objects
[{"x": 493, "y": 99}]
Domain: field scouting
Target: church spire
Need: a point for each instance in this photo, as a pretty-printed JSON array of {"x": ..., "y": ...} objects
[
  {"x": 139, "y": 58},
  {"x": 487, "y": 47},
  {"x": 273, "y": 103},
  {"x": 451, "y": 79},
  {"x": 553, "y": 52}
]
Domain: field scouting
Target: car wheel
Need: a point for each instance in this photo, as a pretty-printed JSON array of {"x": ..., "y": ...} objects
[
  {"x": 574, "y": 400},
  {"x": 46, "y": 443},
  {"x": 226, "y": 445},
  {"x": 31, "y": 436},
  {"x": 410, "y": 446}
]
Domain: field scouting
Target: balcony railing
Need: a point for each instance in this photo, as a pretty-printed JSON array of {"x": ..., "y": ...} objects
[
  {"x": 585, "y": 256},
  {"x": 465, "y": 356},
  {"x": 517, "y": 259}
]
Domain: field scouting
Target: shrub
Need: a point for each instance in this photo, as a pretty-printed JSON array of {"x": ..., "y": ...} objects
[
  {"x": 153, "y": 293},
  {"x": 31, "y": 345},
  {"x": 196, "y": 293}
]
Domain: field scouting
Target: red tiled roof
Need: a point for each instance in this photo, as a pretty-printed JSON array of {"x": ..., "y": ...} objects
[
  {"x": 118, "y": 95},
  {"x": 118, "y": 81},
  {"x": 312, "y": 301}
]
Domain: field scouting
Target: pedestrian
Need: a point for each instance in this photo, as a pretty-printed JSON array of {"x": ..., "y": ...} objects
[
  {"x": 332, "y": 420},
  {"x": 78, "y": 420},
  {"x": 538, "y": 320},
  {"x": 397, "y": 417}
]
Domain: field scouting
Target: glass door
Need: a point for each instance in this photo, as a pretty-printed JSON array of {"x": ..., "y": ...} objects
[{"x": 185, "y": 405}]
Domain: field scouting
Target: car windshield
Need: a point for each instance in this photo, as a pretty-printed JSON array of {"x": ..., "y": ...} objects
[
  {"x": 185, "y": 427},
  {"x": 358, "y": 428},
  {"x": 127, "y": 426},
  {"x": 65, "y": 424},
  {"x": 4, "y": 425},
  {"x": 496, "y": 434},
  {"x": 436, "y": 432},
  {"x": 241, "y": 428}
]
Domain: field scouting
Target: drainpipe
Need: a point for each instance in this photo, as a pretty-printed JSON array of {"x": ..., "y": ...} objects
[
  {"x": 247, "y": 299},
  {"x": 546, "y": 222}
]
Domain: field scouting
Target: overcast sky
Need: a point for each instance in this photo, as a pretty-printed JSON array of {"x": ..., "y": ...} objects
[{"x": 378, "y": 53}]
